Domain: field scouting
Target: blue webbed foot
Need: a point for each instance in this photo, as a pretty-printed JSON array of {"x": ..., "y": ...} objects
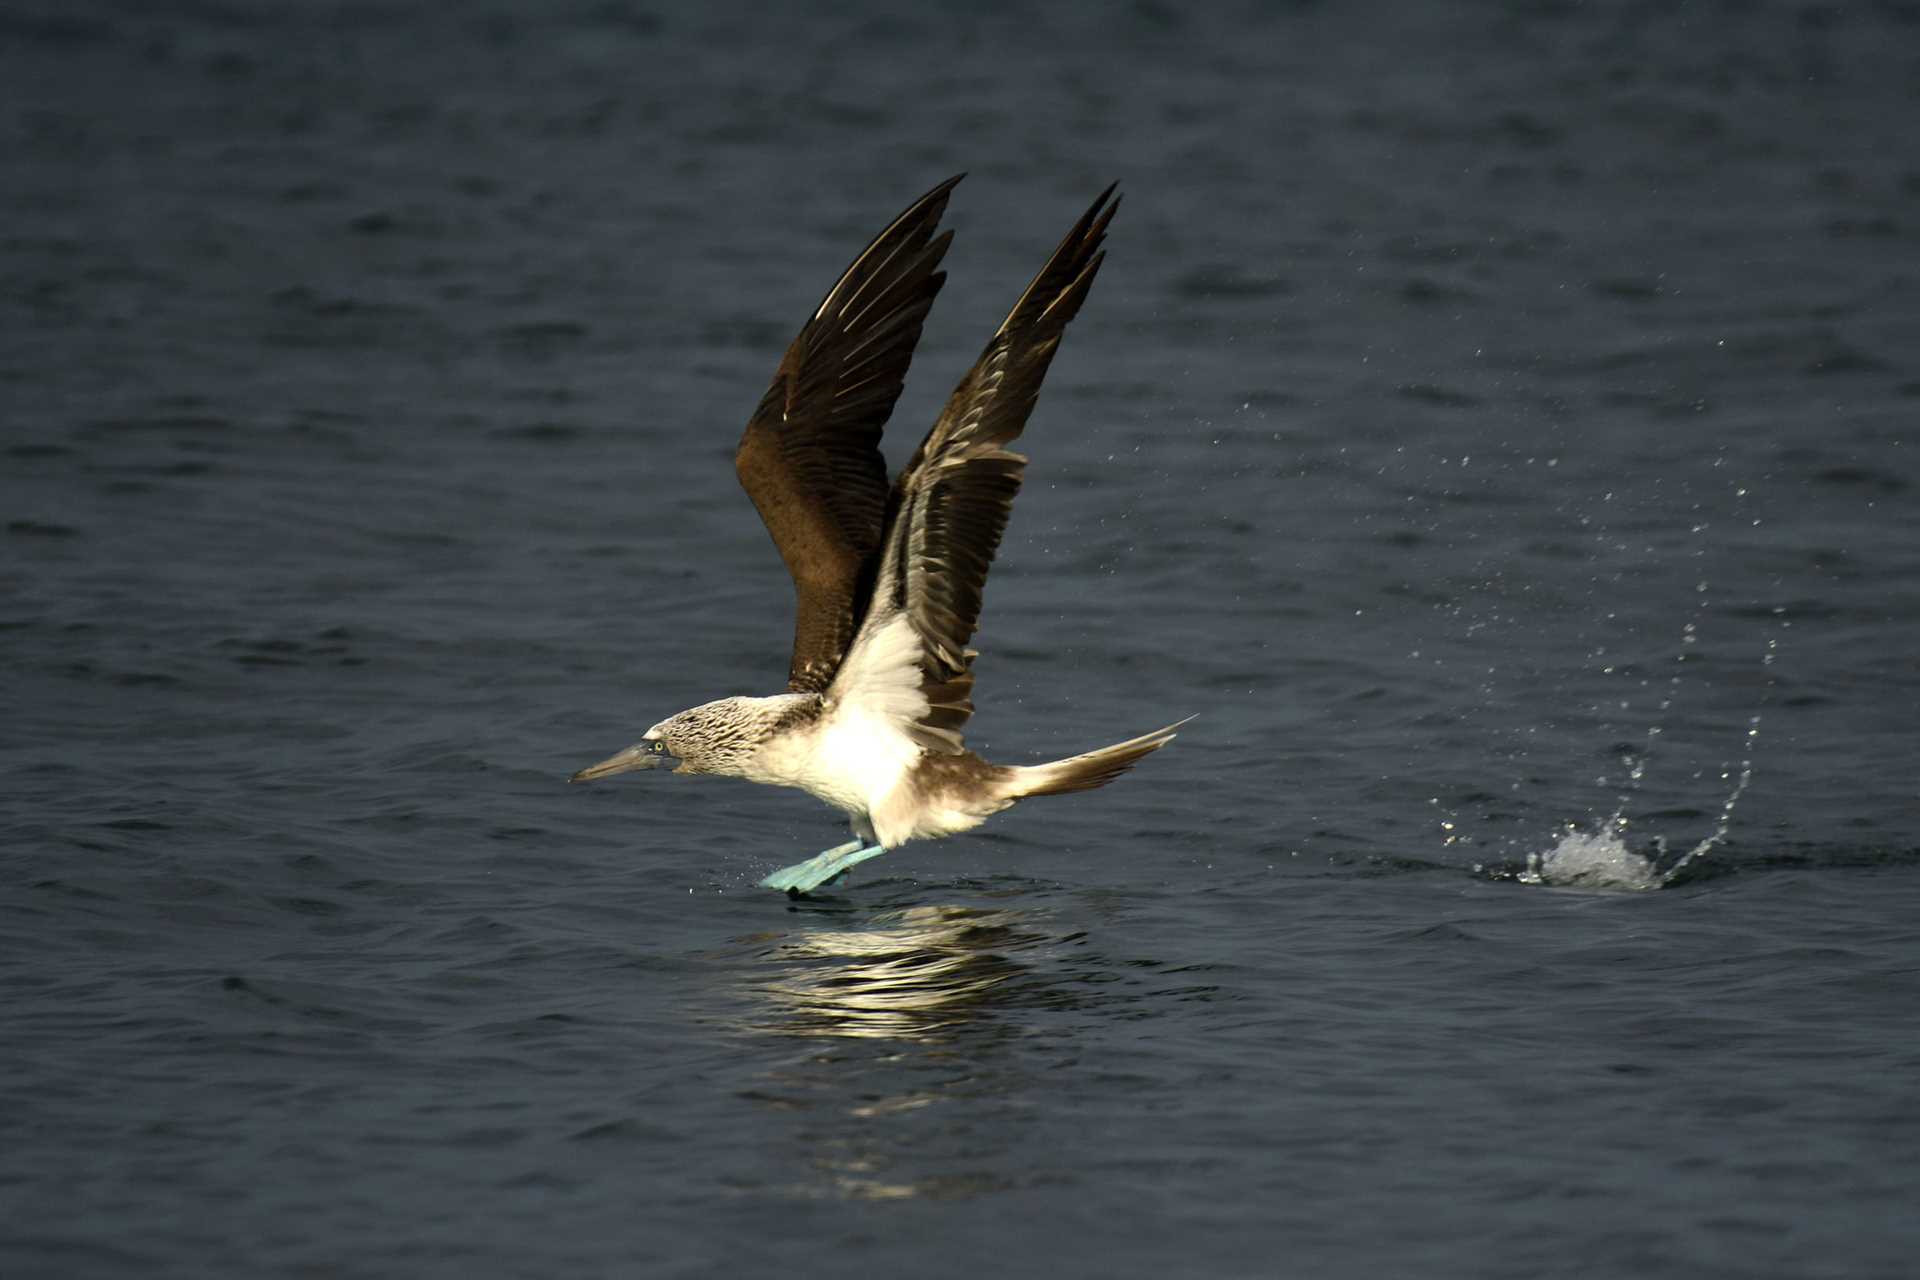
[{"x": 804, "y": 877}]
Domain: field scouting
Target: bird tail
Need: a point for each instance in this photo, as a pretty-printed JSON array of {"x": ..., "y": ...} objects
[{"x": 1085, "y": 772}]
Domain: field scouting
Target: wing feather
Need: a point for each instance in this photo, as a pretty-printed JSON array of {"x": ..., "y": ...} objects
[
  {"x": 949, "y": 508},
  {"x": 810, "y": 456}
]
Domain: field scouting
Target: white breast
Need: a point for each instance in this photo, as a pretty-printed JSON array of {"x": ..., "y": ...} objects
[{"x": 858, "y": 752}]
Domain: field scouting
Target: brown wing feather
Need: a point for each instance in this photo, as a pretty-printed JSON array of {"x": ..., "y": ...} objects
[
  {"x": 950, "y": 505},
  {"x": 810, "y": 456}
]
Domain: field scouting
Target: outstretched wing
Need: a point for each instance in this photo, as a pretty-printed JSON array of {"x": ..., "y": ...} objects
[
  {"x": 810, "y": 457},
  {"x": 950, "y": 505}
]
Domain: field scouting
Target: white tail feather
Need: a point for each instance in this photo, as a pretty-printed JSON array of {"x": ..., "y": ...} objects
[{"x": 1089, "y": 770}]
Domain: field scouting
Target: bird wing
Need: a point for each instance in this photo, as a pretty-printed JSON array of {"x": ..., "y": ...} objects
[
  {"x": 950, "y": 505},
  {"x": 810, "y": 456}
]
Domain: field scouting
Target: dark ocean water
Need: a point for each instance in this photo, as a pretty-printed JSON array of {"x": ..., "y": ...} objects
[{"x": 1476, "y": 396}]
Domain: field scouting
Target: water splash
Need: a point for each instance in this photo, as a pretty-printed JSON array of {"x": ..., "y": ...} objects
[
  {"x": 1746, "y": 772},
  {"x": 1601, "y": 859},
  {"x": 1689, "y": 636},
  {"x": 1592, "y": 860}
]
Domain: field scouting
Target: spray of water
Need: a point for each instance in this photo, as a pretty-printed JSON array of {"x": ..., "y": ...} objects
[
  {"x": 1746, "y": 773},
  {"x": 1601, "y": 859}
]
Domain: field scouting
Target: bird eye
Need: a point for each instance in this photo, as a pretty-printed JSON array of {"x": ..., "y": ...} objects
[{"x": 659, "y": 747}]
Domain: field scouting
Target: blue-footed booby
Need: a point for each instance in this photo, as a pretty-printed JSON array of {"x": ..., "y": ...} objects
[{"x": 889, "y": 577}]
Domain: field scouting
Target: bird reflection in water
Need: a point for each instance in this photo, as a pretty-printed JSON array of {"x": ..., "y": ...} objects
[
  {"x": 915, "y": 973},
  {"x": 908, "y": 1065}
]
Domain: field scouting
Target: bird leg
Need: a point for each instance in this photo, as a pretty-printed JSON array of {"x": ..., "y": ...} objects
[{"x": 803, "y": 877}]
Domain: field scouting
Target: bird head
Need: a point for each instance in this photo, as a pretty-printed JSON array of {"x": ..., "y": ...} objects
[{"x": 715, "y": 737}]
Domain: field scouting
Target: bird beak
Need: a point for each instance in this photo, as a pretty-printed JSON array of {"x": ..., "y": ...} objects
[{"x": 636, "y": 757}]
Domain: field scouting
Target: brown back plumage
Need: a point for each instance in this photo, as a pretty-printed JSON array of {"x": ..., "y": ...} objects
[{"x": 810, "y": 456}]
